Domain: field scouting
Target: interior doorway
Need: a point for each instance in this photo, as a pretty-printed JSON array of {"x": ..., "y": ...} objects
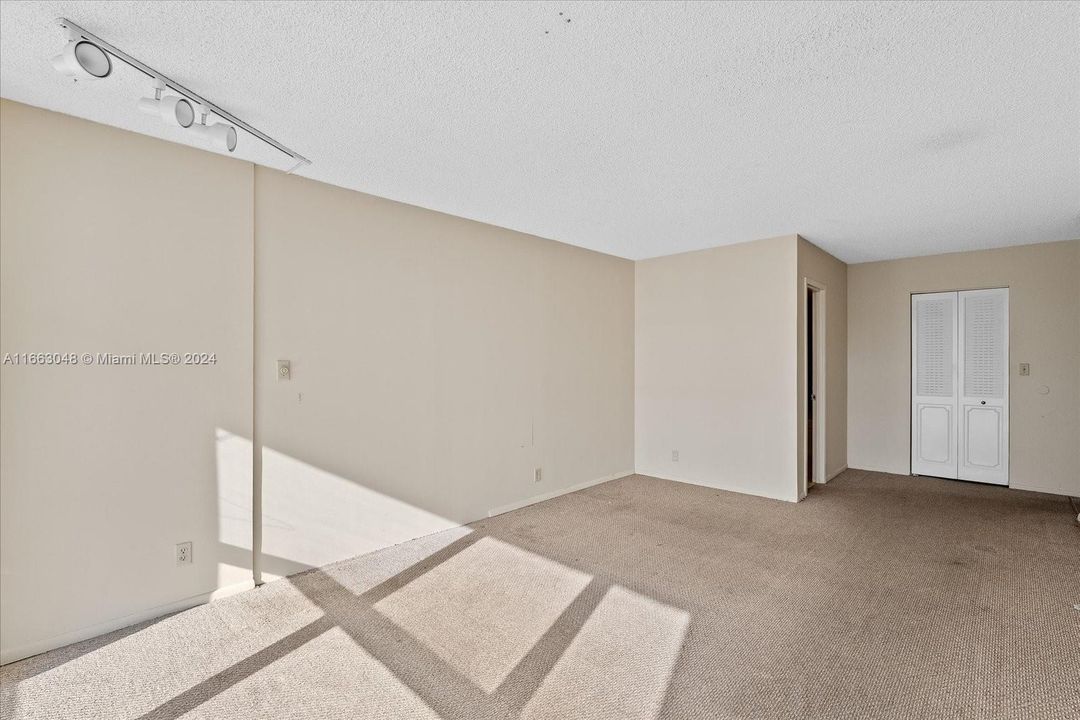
[
  {"x": 810, "y": 386},
  {"x": 812, "y": 406}
]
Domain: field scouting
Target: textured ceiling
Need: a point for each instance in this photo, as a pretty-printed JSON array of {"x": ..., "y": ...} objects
[{"x": 638, "y": 129}]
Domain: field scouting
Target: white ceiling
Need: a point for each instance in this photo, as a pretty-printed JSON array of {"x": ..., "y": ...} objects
[{"x": 876, "y": 130}]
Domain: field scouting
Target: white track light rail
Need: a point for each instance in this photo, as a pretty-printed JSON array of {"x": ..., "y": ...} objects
[{"x": 75, "y": 32}]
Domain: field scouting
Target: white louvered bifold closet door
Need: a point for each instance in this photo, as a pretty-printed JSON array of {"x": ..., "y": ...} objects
[
  {"x": 960, "y": 385},
  {"x": 933, "y": 384},
  {"x": 984, "y": 386}
]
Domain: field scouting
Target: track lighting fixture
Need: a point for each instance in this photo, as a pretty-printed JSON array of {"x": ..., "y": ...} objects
[
  {"x": 174, "y": 110},
  {"x": 88, "y": 56},
  {"x": 82, "y": 59}
]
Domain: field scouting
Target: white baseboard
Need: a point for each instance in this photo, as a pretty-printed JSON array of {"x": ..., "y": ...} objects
[
  {"x": 85, "y": 633},
  {"x": 1050, "y": 490},
  {"x": 830, "y": 476},
  {"x": 716, "y": 486},
  {"x": 556, "y": 493},
  {"x": 1014, "y": 484},
  {"x": 234, "y": 589}
]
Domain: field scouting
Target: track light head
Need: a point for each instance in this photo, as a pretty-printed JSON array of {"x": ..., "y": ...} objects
[
  {"x": 83, "y": 60},
  {"x": 172, "y": 109},
  {"x": 218, "y": 136}
]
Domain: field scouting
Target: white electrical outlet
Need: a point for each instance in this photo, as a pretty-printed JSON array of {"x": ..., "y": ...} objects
[
  {"x": 674, "y": 456},
  {"x": 183, "y": 553},
  {"x": 538, "y": 475}
]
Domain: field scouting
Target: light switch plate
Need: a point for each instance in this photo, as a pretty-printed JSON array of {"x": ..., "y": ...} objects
[
  {"x": 1025, "y": 368},
  {"x": 283, "y": 370}
]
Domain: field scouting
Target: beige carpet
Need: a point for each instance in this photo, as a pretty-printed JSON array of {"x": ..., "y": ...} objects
[{"x": 878, "y": 597}]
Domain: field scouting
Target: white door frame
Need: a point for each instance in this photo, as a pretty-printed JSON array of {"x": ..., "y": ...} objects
[{"x": 819, "y": 349}]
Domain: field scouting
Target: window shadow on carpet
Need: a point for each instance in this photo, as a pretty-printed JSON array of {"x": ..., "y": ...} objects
[{"x": 482, "y": 628}]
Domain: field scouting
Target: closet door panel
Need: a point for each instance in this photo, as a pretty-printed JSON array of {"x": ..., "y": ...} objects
[
  {"x": 983, "y": 433},
  {"x": 934, "y": 384}
]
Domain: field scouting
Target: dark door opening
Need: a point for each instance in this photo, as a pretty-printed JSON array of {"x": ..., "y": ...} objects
[{"x": 810, "y": 397}]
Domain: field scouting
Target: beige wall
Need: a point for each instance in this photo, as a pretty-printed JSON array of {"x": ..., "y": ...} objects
[
  {"x": 1044, "y": 330},
  {"x": 111, "y": 242},
  {"x": 821, "y": 268},
  {"x": 716, "y": 370},
  {"x": 436, "y": 363}
]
